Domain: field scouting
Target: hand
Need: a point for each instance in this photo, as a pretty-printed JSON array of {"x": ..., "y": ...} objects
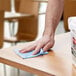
[{"x": 46, "y": 42}]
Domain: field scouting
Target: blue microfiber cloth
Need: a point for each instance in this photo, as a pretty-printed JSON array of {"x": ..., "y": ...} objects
[{"x": 29, "y": 54}]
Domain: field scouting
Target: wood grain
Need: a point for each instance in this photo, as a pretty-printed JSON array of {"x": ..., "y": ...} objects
[
  {"x": 1, "y": 28},
  {"x": 5, "y": 5}
]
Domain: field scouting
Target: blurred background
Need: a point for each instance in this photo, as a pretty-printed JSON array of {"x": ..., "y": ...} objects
[{"x": 22, "y": 21}]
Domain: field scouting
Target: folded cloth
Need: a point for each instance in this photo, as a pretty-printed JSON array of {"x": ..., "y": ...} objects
[{"x": 29, "y": 54}]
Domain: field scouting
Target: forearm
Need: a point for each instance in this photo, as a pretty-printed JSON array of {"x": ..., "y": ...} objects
[{"x": 53, "y": 15}]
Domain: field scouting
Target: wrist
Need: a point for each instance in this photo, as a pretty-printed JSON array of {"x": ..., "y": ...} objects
[{"x": 49, "y": 32}]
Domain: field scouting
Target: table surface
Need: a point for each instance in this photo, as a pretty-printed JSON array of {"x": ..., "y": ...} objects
[{"x": 58, "y": 62}]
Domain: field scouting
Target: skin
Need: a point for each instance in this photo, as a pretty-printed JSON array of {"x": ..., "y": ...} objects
[{"x": 53, "y": 15}]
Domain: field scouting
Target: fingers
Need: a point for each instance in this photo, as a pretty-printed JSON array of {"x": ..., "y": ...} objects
[
  {"x": 37, "y": 49},
  {"x": 27, "y": 49},
  {"x": 48, "y": 46},
  {"x": 45, "y": 47},
  {"x": 37, "y": 45}
]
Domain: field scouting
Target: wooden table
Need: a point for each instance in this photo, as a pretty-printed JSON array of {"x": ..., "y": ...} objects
[{"x": 57, "y": 63}]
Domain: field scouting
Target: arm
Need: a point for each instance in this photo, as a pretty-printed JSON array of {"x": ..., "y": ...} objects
[
  {"x": 53, "y": 15},
  {"x": 54, "y": 12}
]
